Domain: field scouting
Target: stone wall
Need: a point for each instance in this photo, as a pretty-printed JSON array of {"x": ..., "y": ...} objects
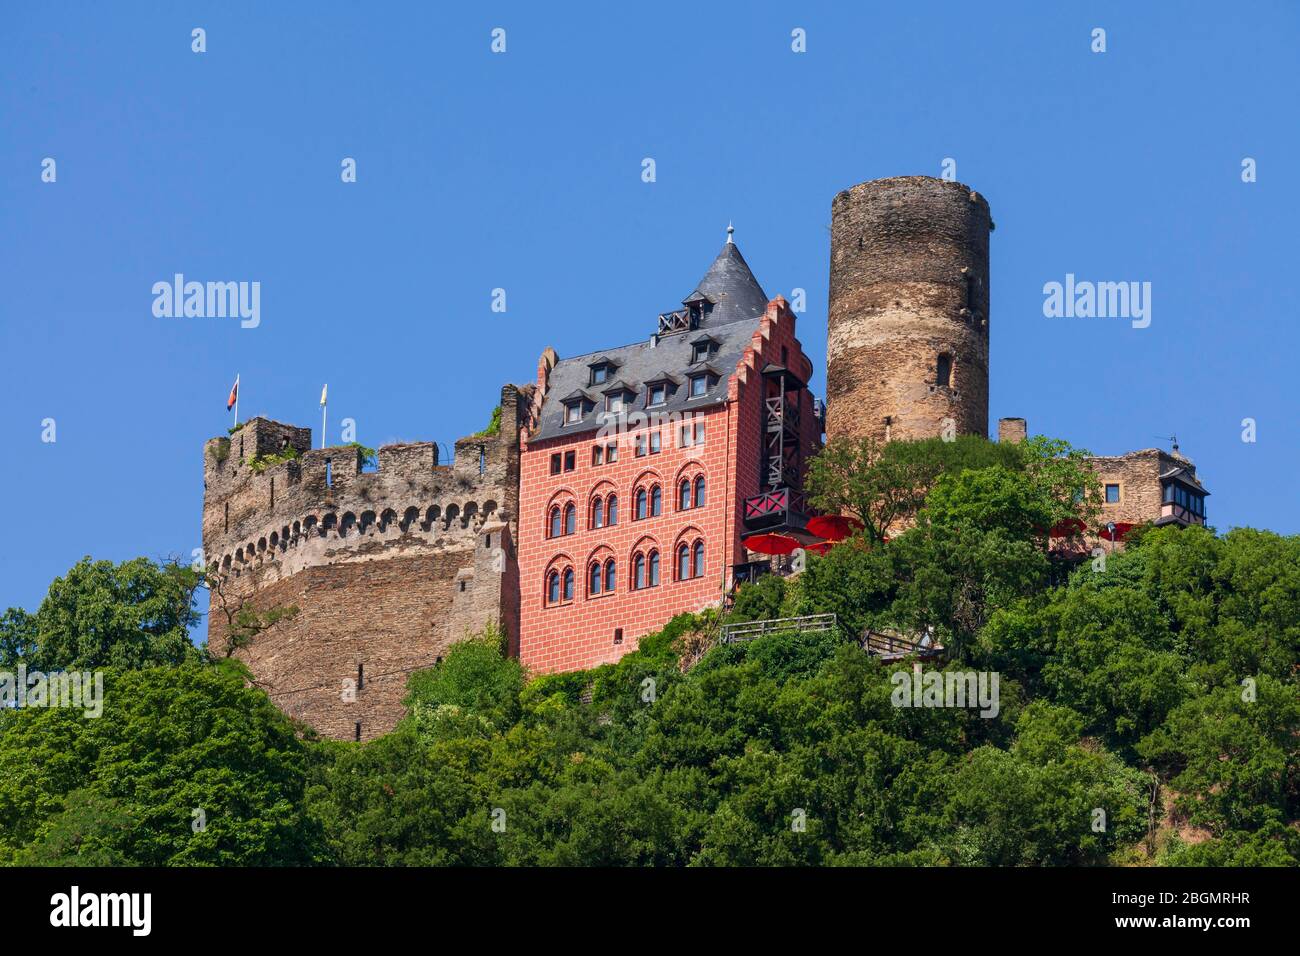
[
  {"x": 909, "y": 282},
  {"x": 387, "y": 567}
]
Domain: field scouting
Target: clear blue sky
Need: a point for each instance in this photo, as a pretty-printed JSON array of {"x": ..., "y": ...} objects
[{"x": 523, "y": 171}]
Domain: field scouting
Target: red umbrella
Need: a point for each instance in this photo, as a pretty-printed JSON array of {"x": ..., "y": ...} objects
[
  {"x": 821, "y": 547},
  {"x": 771, "y": 543},
  {"x": 1121, "y": 528},
  {"x": 1068, "y": 528},
  {"x": 833, "y": 527}
]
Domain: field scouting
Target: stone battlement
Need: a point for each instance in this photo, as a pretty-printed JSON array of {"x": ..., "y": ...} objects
[{"x": 387, "y": 565}]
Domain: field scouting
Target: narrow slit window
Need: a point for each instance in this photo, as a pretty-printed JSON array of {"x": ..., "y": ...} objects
[{"x": 943, "y": 371}]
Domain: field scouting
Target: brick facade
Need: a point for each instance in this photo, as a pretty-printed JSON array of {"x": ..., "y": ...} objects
[{"x": 580, "y": 633}]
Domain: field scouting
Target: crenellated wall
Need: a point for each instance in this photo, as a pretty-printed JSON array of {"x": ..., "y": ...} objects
[{"x": 387, "y": 566}]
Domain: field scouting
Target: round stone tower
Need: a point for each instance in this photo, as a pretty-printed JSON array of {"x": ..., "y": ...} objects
[{"x": 908, "y": 344}]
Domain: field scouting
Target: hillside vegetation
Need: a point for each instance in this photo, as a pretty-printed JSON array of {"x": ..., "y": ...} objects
[{"x": 1148, "y": 712}]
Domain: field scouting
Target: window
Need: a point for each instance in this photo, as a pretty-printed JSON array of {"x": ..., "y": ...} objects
[
  {"x": 555, "y": 522},
  {"x": 699, "y": 491},
  {"x": 638, "y": 571},
  {"x": 699, "y": 352},
  {"x": 611, "y": 452},
  {"x": 683, "y": 563},
  {"x": 553, "y": 588},
  {"x": 568, "y": 584},
  {"x": 595, "y": 579},
  {"x": 570, "y": 460},
  {"x": 609, "y": 575},
  {"x": 573, "y": 413},
  {"x": 699, "y": 559},
  {"x": 699, "y": 385},
  {"x": 640, "y": 503},
  {"x": 658, "y": 394},
  {"x": 597, "y": 455},
  {"x": 599, "y": 373},
  {"x": 684, "y": 441},
  {"x": 618, "y": 635},
  {"x": 655, "y": 446},
  {"x": 699, "y": 432},
  {"x": 611, "y": 510},
  {"x": 684, "y": 494},
  {"x": 656, "y": 501},
  {"x": 570, "y": 519},
  {"x": 614, "y": 403},
  {"x": 598, "y": 513},
  {"x": 943, "y": 370},
  {"x": 555, "y": 463},
  {"x": 640, "y": 445},
  {"x": 654, "y": 568},
  {"x": 1112, "y": 494}
]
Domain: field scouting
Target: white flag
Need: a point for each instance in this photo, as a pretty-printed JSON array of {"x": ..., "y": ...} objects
[{"x": 324, "y": 389}]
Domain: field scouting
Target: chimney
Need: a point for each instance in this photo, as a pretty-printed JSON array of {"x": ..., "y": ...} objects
[{"x": 1012, "y": 430}]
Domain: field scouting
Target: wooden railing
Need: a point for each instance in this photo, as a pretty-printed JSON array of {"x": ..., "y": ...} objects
[
  {"x": 748, "y": 630},
  {"x": 893, "y": 646}
]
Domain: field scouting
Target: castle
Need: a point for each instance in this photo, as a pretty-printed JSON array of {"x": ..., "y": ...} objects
[{"x": 623, "y": 486}]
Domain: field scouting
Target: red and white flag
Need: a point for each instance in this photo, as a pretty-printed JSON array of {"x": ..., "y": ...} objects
[{"x": 234, "y": 395}]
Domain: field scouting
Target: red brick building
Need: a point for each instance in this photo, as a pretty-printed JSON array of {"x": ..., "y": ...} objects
[{"x": 640, "y": 466}]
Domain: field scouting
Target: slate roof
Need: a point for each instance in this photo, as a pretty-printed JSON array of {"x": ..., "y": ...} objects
[
  {"x": 1186, "y": 476},
  {"x": 738, "y": 304}
]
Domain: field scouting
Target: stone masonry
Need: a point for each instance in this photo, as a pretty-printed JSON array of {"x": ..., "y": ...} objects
[
  {"x": 908, "y": 342},
  {"x": 386, "y": 567}
]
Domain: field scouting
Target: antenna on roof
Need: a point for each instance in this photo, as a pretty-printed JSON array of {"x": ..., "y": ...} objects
[
  {"x": 1172, "y": 439},
  {"x": 730, "y": 230}
]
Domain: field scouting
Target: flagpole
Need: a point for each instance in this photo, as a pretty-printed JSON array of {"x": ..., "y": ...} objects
[
  {"x": 236, "y": 399},
  {"x": 323, "y": 409}
]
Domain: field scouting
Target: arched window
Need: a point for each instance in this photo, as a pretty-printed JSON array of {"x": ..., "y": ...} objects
[
  {"x": 609, "y": 575},
  {"x": 699, "y": 559},
  {"x": 555, "y": 522},
  {"x": 699, "y": 492},
  {"x": 683, "y": 562},
  {"x": 553, "y": 588},
  {"x": 568, "y": 584},
  {"x": 594, "y": 583},
  {"x": 654, "y": 568},
  {"x": 570, "y": 519},
  {"x": 656, "y": 501},
  {"x": 684, "y": 495},
  {"x": 598, "y": 513},
  {"x": 943, "y": 370},
  {"x": 640, "y": 503},
  {"x": 638, "y": 571}
]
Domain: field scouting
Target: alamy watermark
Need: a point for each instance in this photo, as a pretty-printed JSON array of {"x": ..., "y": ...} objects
[
  {"x": 946, "y": 689},
  {"x": 1101, "y": 300},
  {"x": 80, "y": 689},
  {"x": 208, "y": 300}
]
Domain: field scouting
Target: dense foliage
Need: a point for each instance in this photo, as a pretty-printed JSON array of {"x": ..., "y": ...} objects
[{"x": 1148, "y": 714}]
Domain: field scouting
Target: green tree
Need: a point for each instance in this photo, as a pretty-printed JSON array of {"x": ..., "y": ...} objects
[
  {"x": 130, "y": 615},
  {"x": 204, "y": 769}
]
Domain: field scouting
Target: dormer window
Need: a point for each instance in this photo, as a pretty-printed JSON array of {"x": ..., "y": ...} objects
[
  {"x": 658, "y": 394},
  {"x": 601, "y": 370},
  {"x": 699, "y": 385},
  {"x": 702, "y": 349},
  {"x": 573, "y": 413},
  {"x": 616, "y": 402}
]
